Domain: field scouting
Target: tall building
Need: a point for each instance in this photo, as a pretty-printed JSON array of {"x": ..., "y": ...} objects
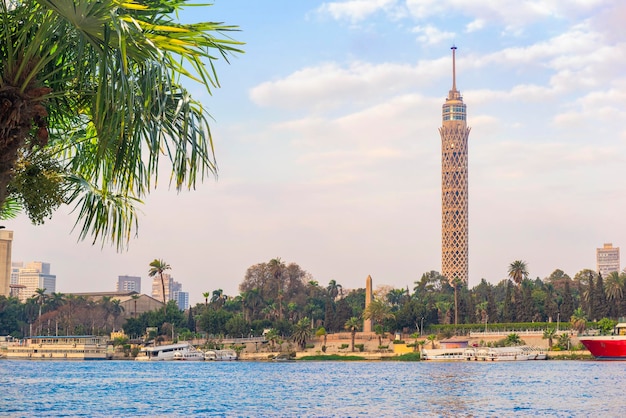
[
  {"x": 454, "y": 191},
  {"x": 607, "y": 259},
  {"x": 128, "y": 284},
  {"x": 35, "y": 275},
  {"x": 6, "y": 240},
  {"x": 170, "y": 287},
  {"x": 182, "y": 299}
]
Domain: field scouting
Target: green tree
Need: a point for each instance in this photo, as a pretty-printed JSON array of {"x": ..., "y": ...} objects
[
  {"x": 206, "y": 295},
  {"x": 518, "y": 271},
  {"x": 578, "y": 320},
  {"x": 92, "y": 98},
  {"x": 157, "y": 267},
  {"x": 377, "y": 311},
  {"x": 321, "y": 332},
  {"x": 432, "y": 338},
  {"x": 302, "y": 332},
  {"x": 353, "y": 324},
  {"x": 549, "y": 334},
  {"x": 614, "y": 288}
]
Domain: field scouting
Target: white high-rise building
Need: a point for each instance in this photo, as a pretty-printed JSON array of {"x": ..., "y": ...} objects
[
  {"x": 607, "y": 259},
  {"x": 35, "y": 275}
]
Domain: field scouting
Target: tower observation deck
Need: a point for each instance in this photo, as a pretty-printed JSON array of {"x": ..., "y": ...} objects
[{"x": 454, "y": 184}]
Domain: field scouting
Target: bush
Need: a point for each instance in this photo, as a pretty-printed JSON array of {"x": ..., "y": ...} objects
[
  {"x": 398, "y": 341},
  {"x": 359, "y": 347},
  {"x": 344, "y": 346},
  {"x": 324, "y": 348},
  {"x": 309, "y": 346}
]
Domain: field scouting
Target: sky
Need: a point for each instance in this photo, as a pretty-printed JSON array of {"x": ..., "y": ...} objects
[{"x": 329, "y": 155}]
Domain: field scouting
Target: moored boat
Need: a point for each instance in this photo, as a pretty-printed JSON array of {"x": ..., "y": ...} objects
[
  {"x": 444, "y": 354},
  {"x": 69, "y": 347},
  {"x": 170, "y": 352},
  {"x": 220, "y": 355},
  {"x": 607, "y": 347}
]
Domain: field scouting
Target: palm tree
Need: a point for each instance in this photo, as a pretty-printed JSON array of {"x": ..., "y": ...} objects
[
  {"x": 549, "y": 334},
  {"x": 116, "y": 311},
  {"x": 578, "y": 320},
  {"x": 377, "y": 311},
  {"x": 614, "y": 289},
  {"x": 206, "y": 298},
  {"x": 93, "y": 98},
  {"x": 443, "y": 310},
  {"x": 432, "y": 338},
  {"x": 518, "y": 271},
  {"x": 333, "y": 289},
  {"x": 158, "y": 266},
  {"x": 321, "y": 332},
  {"x": 302, "y": 332},
  {"x": 380, "y": 332},
  {"x": 40, "y": 297},
  {"x": 352, "y": 325},
  {"x": 272, "y": 336}
]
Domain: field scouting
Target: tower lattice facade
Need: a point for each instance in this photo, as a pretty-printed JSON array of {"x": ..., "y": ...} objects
[{"x": 454, "y": 194}]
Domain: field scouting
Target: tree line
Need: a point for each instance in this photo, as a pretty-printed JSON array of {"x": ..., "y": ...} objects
[{"x": 284, "y": 298}]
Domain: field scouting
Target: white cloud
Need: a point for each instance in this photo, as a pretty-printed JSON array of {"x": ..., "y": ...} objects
[
  {"x": 431, "y": 35},
  {"x": 355, "y": 10},
  {"x": 328, "y": 86}
]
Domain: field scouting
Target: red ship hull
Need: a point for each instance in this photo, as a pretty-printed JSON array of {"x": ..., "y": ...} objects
[{"x": 611, "y": 347}]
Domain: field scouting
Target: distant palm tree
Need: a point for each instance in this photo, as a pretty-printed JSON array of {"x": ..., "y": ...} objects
[
  {"x": 614, "y": 286},
  {"x": 40, "y": 296},
  {"x": 116, "y": 311},
  {"x": 518, "y": 271},
  {"x": 578, "y": 320},
  {"x": 321, "y": 332},
  {"x": 380, "y": 332},
  {"x": 277, "y": 267},
  {"x": 353, "y": 324},
  {"x": 333, "y": 289},
  {"x": 415, "y": 336},
  {"x": 549, "y": 334},
  {"x": 302, "y": 332},
  {"x": 158, "y": 266},
  {"x": 432, "y": 338},
  {"x": 377, "y": 311},
  {"x": 206, "y": 298}
]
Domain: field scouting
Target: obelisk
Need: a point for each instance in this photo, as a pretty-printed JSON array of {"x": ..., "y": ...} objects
[{"x": 367, "y": 323}]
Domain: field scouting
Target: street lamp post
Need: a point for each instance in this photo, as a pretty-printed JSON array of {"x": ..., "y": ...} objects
[{"x": 422, "y": 327}]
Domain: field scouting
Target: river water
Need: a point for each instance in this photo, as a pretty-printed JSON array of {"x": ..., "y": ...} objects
[{"x": 320, "y": 389}]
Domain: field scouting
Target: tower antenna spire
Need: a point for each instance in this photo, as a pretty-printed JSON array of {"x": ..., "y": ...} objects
[{"x": 453, "y": 67}]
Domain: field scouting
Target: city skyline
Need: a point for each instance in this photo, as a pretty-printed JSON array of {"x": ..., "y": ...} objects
[{"x": 326, "y": 140}]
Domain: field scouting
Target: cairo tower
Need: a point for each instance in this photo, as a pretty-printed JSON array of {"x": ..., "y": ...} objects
[{"x": 454, "y": 216}]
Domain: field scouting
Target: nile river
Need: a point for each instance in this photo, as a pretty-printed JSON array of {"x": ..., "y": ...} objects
[{"x": 320, "y": 389}]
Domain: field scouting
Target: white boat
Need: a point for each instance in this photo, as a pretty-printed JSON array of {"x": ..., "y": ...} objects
[
  {"x": 444, "y": 354},
  {"x": 502, "y": 354},
  {"x": 220, "y": 355},
  {"x": 69, "y": 347},
  {"x": 170, "y": 352}
]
